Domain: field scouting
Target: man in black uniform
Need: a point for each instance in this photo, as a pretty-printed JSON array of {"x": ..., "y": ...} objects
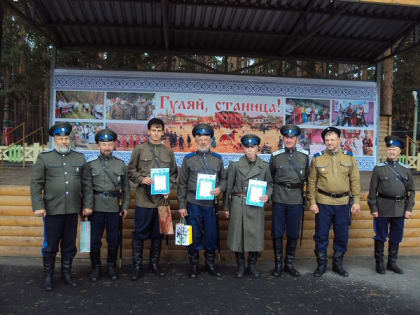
[
  {"x": 201, "y": 214},
  {"x": 56, "y": 193},
  {"x": 391, "y": 200},
  {"x": 289, "y": 170},
  {"x": 106, "y": 182}
]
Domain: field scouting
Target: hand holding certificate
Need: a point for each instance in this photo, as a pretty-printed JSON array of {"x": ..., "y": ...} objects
[
  {"x": 256, "y": 193},
  {"x": 205, "y": 185},
  {"x": 160, "y": 177}
]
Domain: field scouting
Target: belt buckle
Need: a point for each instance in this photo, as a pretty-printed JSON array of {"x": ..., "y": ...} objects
[
  {"x": 398, "y": 198},
  {"x": 106, "y": 194},
  {"x": 289, "y": 186},
  {"x": 333, "y": 195}
]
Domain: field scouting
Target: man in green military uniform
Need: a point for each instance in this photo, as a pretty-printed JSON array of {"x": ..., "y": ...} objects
[
  {"x": 148, "y": 155},
  {"x": 333, "y": 178},
  {"x": 56, "y": 193},
  {"x": 289, "y": 170},
  {"x": 106, "y": 183},
  {"x": 391, "y": 200},
  {"x": 246, "y": 222}
]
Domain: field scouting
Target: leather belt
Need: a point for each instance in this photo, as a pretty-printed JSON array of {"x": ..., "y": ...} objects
[
  {"x": 333, "y": 195},
  {"x": 107, "y": 194},
  {"x": 291, "y": 186},
  {"x": 395, "y": 198},
  {"x": 239, "y": 194}
]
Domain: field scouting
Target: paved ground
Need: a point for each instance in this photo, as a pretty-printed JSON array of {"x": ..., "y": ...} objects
[
  {"x": 22, "y": 176},
  {"x": 364, "y": 292}
]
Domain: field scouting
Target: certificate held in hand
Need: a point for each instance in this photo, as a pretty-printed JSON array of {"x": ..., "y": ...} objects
[
  {"x": 256, "y": 189},
  {"x": 205, "y": 184},
  {"x": 160, "y": 177}
]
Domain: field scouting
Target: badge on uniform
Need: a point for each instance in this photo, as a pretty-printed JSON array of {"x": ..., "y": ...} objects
[
  {"x": 85, "y": 237},
  {"x": 183, "y": 233}
]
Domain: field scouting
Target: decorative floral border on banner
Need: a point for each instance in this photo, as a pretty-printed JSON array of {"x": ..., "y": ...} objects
[{"x": 96, "y": 80}]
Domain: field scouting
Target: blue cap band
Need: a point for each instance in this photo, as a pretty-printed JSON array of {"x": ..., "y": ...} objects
[
  {"x": 106, "y": 137},
  {"x": 394, "y": 143},
  {"x": 250, "y": 142},
  {"x": 203, "y": 131},
  {"x": 60, "y": 131},
  {"x": 290, "y": 132}
]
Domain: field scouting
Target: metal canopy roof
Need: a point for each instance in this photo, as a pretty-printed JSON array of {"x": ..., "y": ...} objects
[{"x": 345, "y": 31}]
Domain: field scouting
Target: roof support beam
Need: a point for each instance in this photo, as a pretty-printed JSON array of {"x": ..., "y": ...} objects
[
  {"x": 199, "y": 64},
  {"x": 165, "y": 22}
]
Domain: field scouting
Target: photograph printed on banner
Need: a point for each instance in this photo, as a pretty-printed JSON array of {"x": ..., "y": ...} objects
[
  {"x": 230, "y": 116},
  {"x": 349, "y": 113},
  {"x": 83, "y": 134},
  {"x": 129, "y": 106},
  {"x": 129, "y": 135},
  {"x": 311, "y": 140},
  {"x": 307, "y": 112},
  {"x": 360, "y": 142},
  {"x": 79, "y": 104}
]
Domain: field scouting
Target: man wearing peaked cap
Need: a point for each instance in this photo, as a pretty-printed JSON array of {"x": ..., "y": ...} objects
[
  {"x": 289, "y": 170},
  {"x": 333, "y": 178},
  {"x": 246, "y": 222},
  {"x": 391, "y": 199},
  {"x": 105, "y": 184},
  {"x": 201, "y": 213},
  {"x": 56, "y": 193}
]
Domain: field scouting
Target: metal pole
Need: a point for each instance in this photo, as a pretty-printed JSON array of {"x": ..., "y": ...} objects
[{"x": 416, "y": 109}]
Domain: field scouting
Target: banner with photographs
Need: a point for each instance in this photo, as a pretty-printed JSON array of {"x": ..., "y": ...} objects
[{"x": 232, "y": 114}]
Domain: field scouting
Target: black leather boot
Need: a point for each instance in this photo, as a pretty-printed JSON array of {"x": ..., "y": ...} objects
[
  {"x": 392, "y": 258},
  {"x": 112, "y": 263},
  {"x": 137, "y": 248},
  {"x": 210, "y": 263},
  {"x": 278, "y": 257},
  {"x": 338, "y": 264},
  {"x": 240, "y": 261},
  {"x": 322, "y": 260},
  {"x": 194, "y": 258},
  {"x": 66, "y": 271},
  {"x": 290, "y": 258},
  {"x": 49, "y": 264},
  {"x": 252, "y": 261},
  {"x": 155, "y": 248},
  {"x": 95, "y": 260},
  {"x": 379, "y": 257}
]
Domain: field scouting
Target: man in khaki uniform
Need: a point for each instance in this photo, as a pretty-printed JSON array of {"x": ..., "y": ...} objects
[
  {"x": 333, "y": 178},
  {"x": 148, "y": 155},
  {"x": 106, "y": 183},
  {"x": 56, "y": 193}
]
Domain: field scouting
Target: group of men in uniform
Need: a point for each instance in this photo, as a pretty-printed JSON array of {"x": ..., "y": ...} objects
[{"x": 63, "y": 183}]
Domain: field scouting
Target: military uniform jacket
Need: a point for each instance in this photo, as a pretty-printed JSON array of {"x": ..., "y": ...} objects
[
  {"x": 333, "y": 173},
  {"x": 289, "y": 167},
  {"x": 199, "y": 163},
  {"x": 246, "y": 223},
  {"x": 96, "y": 180},
  {"x": 139, "y": 167},
  {"x": 384, "y": 181},
  {"x": 56, "y": 182}
]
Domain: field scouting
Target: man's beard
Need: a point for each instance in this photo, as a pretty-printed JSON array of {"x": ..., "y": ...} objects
[
  {"x": 203, "y": 148},
  {"x": 107, "y": 153},
  {"x": 61, "y": 148}
]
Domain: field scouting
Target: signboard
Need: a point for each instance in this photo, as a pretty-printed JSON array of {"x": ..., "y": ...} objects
[{"x": 233, "y": 105}]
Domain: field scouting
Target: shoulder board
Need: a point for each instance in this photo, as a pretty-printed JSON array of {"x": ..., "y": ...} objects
[
  {"x": 349, "y": 153},
  {"x": 76, "y": 151},
  {"x": 47, "y": 151},
  {"x": 404, "y": 165},
  {"x": 278, "y": 152},
  {"x": 190, "y": 155},
  {"x": 302, "y": 151},
  {"x": 216, "y": 154},
  {"x": 93, "y": 159},
  {"x": 381, "y": 164},
  {"x": 319, "y": 154}
]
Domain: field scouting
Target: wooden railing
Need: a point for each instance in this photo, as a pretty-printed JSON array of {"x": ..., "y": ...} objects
[{"x": 412, "y": 161}]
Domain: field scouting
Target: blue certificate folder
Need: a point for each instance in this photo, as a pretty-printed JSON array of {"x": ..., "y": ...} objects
[
  {"x": 256, "y": 189},
  {"x": 205, "y": 184},
  {"x": 160, "y": 177}
]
